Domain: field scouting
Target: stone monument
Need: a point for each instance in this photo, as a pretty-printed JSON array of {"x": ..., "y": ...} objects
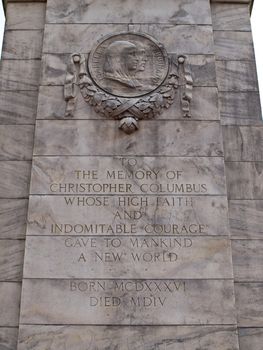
[{"x": 138, "y": 126}]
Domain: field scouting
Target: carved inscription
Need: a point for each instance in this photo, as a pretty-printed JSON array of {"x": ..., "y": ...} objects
[
  {"x": 136, "y": 217},
  {"x": 128, "y": 294}
]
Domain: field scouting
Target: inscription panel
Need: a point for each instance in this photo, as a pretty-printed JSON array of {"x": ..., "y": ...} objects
[
  {"x": 129, "y": 302},
  {"x": 68, "y": 215},
  {"x": 128, "y": 176},
  {"x": 119, "y": 257}
]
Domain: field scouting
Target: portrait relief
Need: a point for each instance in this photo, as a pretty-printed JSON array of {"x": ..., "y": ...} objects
[
  {"x": 128, "y": 77},
  {"x": 128, "y": 65}
]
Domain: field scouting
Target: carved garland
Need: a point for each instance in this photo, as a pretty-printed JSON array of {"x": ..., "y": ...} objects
[{"x": 128, "y": 110}]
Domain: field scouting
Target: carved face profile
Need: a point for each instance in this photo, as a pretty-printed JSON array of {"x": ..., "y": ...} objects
[
  {"x": 121, "y": 63},
  {"x": 142, "y": 57}
]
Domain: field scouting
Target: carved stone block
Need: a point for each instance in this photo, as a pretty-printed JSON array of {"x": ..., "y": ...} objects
[
  {"x": 84, "y": 137},
  {"x": 189, "y": 338},
  {"x": 13, "y": 213},
  {"x": 184, "y": 302},
  {"x": 18, "y": 107},
  {"x": 10, "y": 301},
  {"x": 16, "y": 142},
  {"x": 143, "y": 11},
  {"x": 230, "y": 17},
  {"x": 19, "y": 44}
]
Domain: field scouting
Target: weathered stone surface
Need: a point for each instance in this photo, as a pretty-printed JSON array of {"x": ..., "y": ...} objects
[
  {"x": 70, "y": 38},
  {"x": 196, "y": 176},
  {"x": 183, "y": 39},
  {"x": 51, "y": 105},
  {"x": 119, "y": 257},
  {"x": 18, "y": 107},
  {"x": 180, "y": 39},
  {"x": 19, "y": 74},
  {"x": 247, "y": 260},
  {"x": 249, "y": 304},
  {"x": 233, "y": 45},
  {"x": 25, "y": 16},
  {"x": 16, "y": 142},
  {"x": 244, "y": 180},
  {"x": 184, "y": 302},
  {"x": 202, "y": 69},
  {"x": 240, "y": 105},
  {"x": 209, "y": 212},
  {"x": 243, "y": 143},
  {"x": 14, "y": 180},
  {"x": 230, "y": 17},
  {"x": 77, "y": 337},
  {"x": 8, "y": 338},
  {"x": 241, "y": 122},
  {"x": 22, "y": 44},
  {"x": 11, "y": 259},
  {"x": 246, "y": 218},
  {"x": 10, "y": 301},
  {"x": 236, "y": 76},
  {"x": 143, "y": 11},
  {"x": 250, "y": 338},
  {"x": 92, "y": 137},
  {"x": 13, "y": 213}
]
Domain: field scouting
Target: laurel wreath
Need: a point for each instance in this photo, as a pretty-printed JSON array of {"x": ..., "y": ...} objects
[{"x": 146, "y": 107}]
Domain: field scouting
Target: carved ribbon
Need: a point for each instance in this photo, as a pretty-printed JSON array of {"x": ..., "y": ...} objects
[
  {"x": 186, "y": 94},
  {"x": 71, "y": 82}
]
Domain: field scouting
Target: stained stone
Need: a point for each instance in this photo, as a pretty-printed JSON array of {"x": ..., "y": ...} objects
[
  {"x": 179, "y": 138},
  {"x": 19, "y": 74},
  {"x": 9, "y": 306},
  {"x": 243, "y": 143},
  {"x": 250, "y": 338},
  {"x": 143, "y": 11},
  {"x": 13, "y": 218},
  {"x": 249, "y": 184},
  {"x": 8, "y": 338},
  {"x": 240, "y": 122},
  {"x": 117, "y": 302},
  {"x": 14, "y": 180},
  {"x": 16, "y": 142},
  {"x": 69, "y": 38},
  {"x": 18, "y": 107},
  {"x": 11, "y": 260},
  {"x": 247, "y": 260},
  {"x": 233, "y": 45},
  {"x": 77, "y": 337},
  {"x": 249, "y": 301},
  {"x": 22, "y": 44},
  {"x": 240, "y": 105},
  {"x": 25, "y": 16},
  {"x": 245, "y": 218},
  {"x": 205, "y": 213},
  {"x": 230, "y": 17},
  {"x": 236, "y": 76},
  {"x": 52, "y": 175}
]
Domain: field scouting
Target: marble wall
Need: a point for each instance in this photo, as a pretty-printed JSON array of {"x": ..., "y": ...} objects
[{"x": 150, "y": 240}]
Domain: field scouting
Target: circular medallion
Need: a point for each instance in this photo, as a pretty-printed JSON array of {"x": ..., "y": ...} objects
[{"x": 128, "y": 64}]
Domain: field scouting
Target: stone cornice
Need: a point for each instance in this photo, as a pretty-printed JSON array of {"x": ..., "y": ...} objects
[{"x": 249, "y": 2}]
